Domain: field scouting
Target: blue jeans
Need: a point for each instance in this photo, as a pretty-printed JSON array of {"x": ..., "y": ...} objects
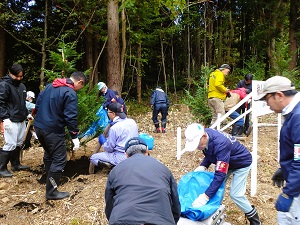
[
  {"x": 235, "y": 115},
  {"x": 238, "y": 188}
]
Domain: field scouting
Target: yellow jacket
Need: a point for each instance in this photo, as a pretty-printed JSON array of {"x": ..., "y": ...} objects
[{"x": 216, "y": 88}]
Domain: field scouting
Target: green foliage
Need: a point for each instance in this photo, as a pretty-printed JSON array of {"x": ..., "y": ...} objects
[
  {"x": 198, "y": 100},
  {"x": 63, "y": 61}
]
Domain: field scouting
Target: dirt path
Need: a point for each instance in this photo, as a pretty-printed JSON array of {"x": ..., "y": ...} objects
[{"x": 22, "y": 197}]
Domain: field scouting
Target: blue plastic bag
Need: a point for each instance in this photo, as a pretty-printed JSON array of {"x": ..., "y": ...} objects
[
  {"x": 100, "y": 123},
  {"x": 190, "y": 186}
]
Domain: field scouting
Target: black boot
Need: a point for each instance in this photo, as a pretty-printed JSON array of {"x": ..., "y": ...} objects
[
  {"x": 163, "y": 127},
  {"x": 51, "y": 187},
  {"x": 15, "y": 160},
  {"x": 4, "y": 159},
  {"x": 236, "y": 130},
  {"x": 252, "y": 216},
  {"x": 157, "y": 129}
]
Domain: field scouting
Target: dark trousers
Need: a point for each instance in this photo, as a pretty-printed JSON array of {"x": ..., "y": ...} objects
[
  {"x": 160, "y": 108},
  {"x": 55, "y": 150}
]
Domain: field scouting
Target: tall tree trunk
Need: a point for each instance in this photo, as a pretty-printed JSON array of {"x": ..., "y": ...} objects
[
  {"x": 44, "y": 56},
  {"x": 89, "y": 62},
  {"x": 113, "y": 46},
  {"x": 163, "y": 58},
  {"x": 294, "y": 8},
  {"x": 123, "y": 17},
  {"x": 2, "y": 41},
  {"x": 139, "y": 74},
  {"x": 95, "y": 61},
  {"x": 188, "y": 50}
]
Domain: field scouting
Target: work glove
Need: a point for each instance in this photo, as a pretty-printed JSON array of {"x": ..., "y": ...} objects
[
  {"x": 200, "y": 168},
  {"x": 30, "y": 117},
  {"x": 7, "y": 125},
  {"x": 284, "y": 202},
  {"x": 200, "y": 201},
  {"x": 76, "y": 143},
  {"x": 101, "y": 139},
  {"x": 278, "y": 179}
]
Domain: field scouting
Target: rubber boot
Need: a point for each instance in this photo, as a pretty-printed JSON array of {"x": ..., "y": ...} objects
[
  {"x": 163, "y": 127},
  {"x": 51, "y": 187},
  {"x": 157, "y": 129},
  {"x": 15, "y": 160},
  {"x": 4, "y": 159},
  {"x": 235, "y": 130},
  {"x": 240, "y": 131},
  {"x": 252, "y": 216}
]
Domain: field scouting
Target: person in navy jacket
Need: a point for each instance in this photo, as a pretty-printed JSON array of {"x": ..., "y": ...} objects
[
  {"x": 109, "y": 95},
  {"x": 229, "y": 157},
  {"x": 280, "y": 94},
  {"x": 57, "y": 108}
]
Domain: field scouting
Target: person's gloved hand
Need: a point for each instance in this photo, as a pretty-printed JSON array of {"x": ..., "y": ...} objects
[
  {"x": 7, "y": 124},
  {"x": 76, "y": 143},
  {"x": 101, "y": 139},
  {"x": 30, "y": 117},
  {"x": 284, "y": 202},
  {"x": 151, "y": 106},
  {"x": 200, "y": 201},
  {"x": 278, "y": 179},
  {"x": 200, "y": 168}
]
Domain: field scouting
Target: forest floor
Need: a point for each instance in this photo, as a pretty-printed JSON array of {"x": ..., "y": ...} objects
[{"x": 22, "y": 197}]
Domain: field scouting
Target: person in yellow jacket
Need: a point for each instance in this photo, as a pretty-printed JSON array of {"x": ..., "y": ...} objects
[{"x": 217, "y": 92}]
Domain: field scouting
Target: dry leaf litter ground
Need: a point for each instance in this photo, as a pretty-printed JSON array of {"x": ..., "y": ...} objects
[{"x": 22, "y": 197}]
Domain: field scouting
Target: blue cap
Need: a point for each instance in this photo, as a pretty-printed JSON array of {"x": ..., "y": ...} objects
[{"x": 134, "y": 141}]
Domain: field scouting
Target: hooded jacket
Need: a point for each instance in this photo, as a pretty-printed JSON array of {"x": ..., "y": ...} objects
[
  {"x": 12, "y": 100},
  {"x": 57, "y": 107}
]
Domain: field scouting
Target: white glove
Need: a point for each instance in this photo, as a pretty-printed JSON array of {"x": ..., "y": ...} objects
[
  {"x": 7, "y": 125},
  {"x": 200, "y": 201},
  {"x": 200, "y": 168},
  {"x": 30, "y": 117},
  {"x": 76, "y": 143}
]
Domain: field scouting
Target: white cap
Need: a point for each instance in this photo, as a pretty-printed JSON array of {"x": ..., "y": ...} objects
[
  {"x": 30, "y": 94},
  {"x": 274, "y": 84},
  {"x": 101, "y": 85},
  {"x": 193, "y": 134}
]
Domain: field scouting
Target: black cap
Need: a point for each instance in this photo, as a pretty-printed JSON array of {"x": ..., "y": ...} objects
[
  {"x": 224, "y": 66},
  {"x": 134, "y": 141},
  {"x": 118, "y": 109}
]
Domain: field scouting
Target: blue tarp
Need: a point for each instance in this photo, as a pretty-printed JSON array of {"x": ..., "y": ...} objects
[
  {"x": 97, "y": 125},
  {"x": 190, "y": 186}
]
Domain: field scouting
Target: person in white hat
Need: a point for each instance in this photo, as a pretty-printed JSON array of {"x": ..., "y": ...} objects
[
  {"x": 229, "y": 157},
  {"x": 109, "y": 95},
  {"x": 281, "y": 95}
]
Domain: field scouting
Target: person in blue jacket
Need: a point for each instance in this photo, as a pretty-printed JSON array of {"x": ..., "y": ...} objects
[
  {"x": 230, "y": 158},
  {"x": 160, "y": 104},
  {"x": 280, "y": 94},
  {"x": 56, "y": 108},
  {"x": 109, "y": 95},
  {"x": 121, "y": 101}
]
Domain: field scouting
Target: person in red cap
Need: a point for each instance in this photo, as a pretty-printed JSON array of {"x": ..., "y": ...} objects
[{"x": 230, "y": 158}]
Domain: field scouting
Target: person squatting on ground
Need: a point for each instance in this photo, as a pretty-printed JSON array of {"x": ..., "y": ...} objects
[
  {"x": 13, "y": 113},
  {"x": 280, "y": 94},
  {"x": 247, "y": 84},
  {"x": 57, "y": 108},
  {"x": 236, "y": 97},
  {"x": 30, "y": 107},
  {"x": 121, "y": 129},
  {"x": 217, "y": 92},
  {"x": 230, "y": 158},
  {"x": 109, "y": 95},
  {"x": 141, "y": 190},
  {"x": 159, "y": 104}
]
